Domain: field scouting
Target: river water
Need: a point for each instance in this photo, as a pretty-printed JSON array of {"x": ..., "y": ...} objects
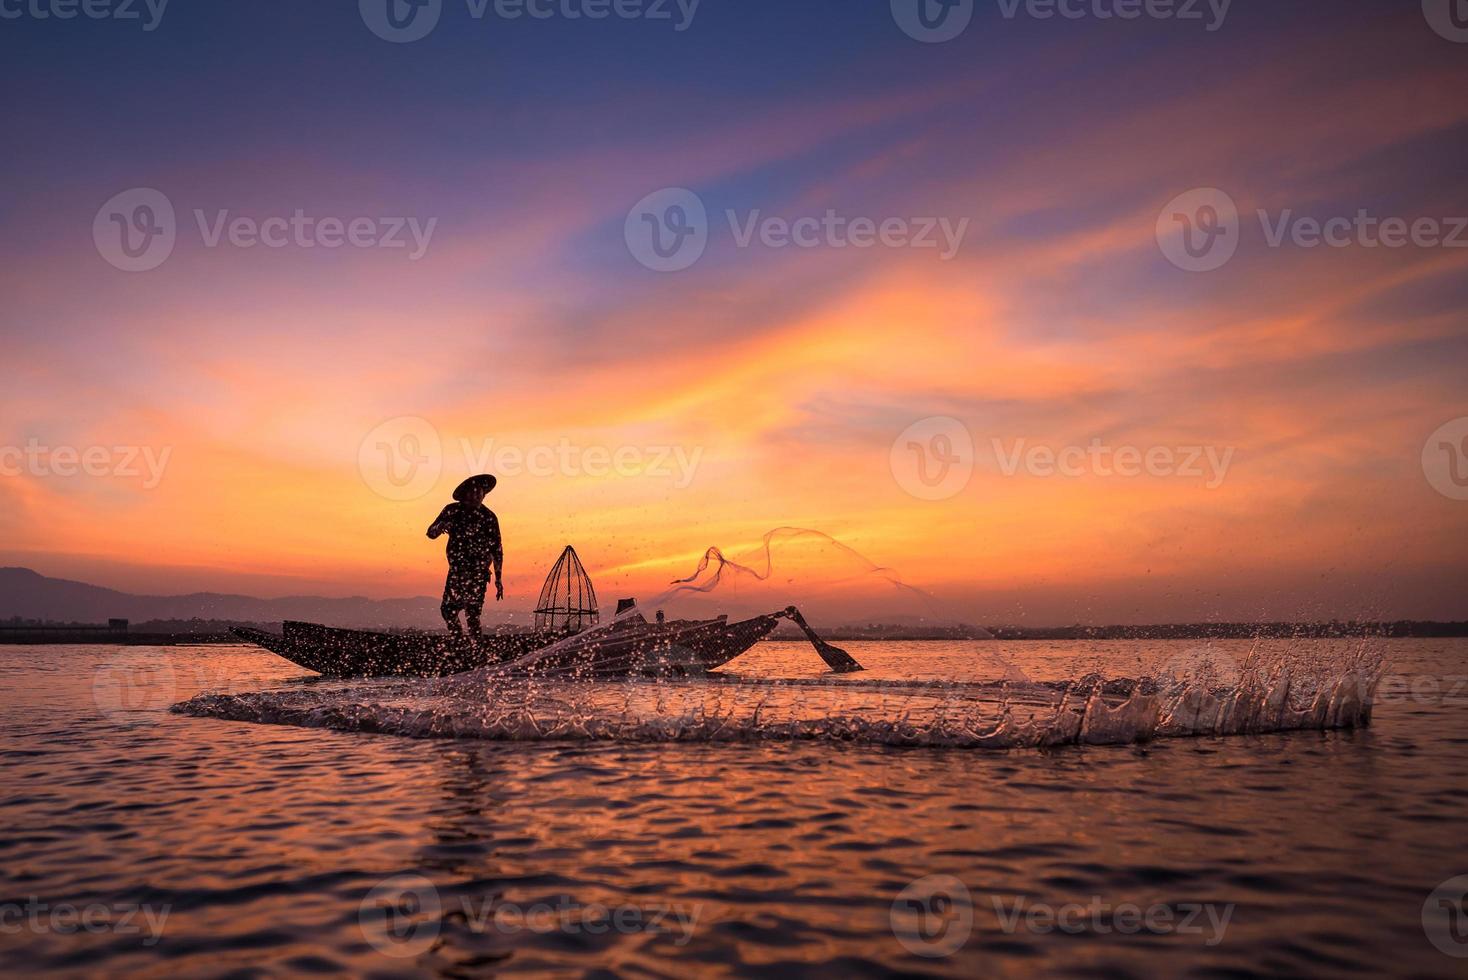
[{"x": 149, "y": 842}]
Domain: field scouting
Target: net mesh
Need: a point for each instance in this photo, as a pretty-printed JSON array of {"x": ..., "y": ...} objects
[{"x": 567, "y": 600}]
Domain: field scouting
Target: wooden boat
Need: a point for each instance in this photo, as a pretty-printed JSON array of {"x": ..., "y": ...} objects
[
  {"x": 567, "y": 605},
  {"x": 334, "y": 652},
  {"x": 561, "y": 645},
  {"x": 632, "y": 646},
  {"x": 629, "y": 646}
]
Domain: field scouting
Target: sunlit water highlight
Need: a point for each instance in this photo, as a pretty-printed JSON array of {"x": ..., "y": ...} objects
[{"x": 265, "y": 842}]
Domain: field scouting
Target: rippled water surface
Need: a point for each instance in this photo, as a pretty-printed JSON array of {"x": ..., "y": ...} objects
[{"x": 204, "y": 847}]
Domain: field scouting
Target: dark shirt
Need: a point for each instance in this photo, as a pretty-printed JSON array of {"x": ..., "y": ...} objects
[{"x": 474, "y": 534}]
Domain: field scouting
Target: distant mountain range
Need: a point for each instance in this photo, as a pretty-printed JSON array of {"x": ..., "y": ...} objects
[{"x": 33, "y": 596}]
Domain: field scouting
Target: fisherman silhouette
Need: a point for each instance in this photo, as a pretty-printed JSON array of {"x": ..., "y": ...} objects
[{"x": 474, "y": 542}]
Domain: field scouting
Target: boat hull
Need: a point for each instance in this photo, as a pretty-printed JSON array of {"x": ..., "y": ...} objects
[
  {"x": 635, "y": 647},
  {"x": 632, "y": 647},
  {"x": 334, "y": 652}
]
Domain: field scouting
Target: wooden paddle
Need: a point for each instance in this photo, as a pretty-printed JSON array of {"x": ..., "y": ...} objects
[{"x": 836, "y": 658}]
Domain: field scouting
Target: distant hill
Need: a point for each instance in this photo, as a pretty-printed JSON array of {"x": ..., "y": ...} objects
[{"x": 33, "y": 596}]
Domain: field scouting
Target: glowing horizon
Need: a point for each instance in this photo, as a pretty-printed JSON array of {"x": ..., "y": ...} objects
[{"x": 782, "y": 375}]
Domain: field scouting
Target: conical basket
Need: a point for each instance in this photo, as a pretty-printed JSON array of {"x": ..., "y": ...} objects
[{"x": 567, "y": 600}]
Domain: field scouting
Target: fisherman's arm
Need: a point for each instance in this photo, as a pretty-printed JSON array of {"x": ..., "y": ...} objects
[
  {"x": 438, "y": 527},
  {"x": 497, "y": 556}
]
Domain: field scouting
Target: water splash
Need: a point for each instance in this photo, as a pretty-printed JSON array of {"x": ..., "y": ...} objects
[{"x": 1271, "y": 694}]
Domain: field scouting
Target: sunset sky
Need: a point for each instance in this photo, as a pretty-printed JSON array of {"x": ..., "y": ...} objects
[{"x": 264, "y": 376}]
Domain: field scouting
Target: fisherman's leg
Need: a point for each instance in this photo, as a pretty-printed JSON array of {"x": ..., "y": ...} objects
[
  {"x": 474, "y": 607},
  {"x": 452, "y": 603},
  {"x": 464, "y": 590},
  {"x": 450, "y": 614}
]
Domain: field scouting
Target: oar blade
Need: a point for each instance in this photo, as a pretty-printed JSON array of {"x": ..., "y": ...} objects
[{"x": 836, "y": 658}]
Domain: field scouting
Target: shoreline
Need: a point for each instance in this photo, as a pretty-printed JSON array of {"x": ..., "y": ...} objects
[{"x": 54, "y": 636}]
